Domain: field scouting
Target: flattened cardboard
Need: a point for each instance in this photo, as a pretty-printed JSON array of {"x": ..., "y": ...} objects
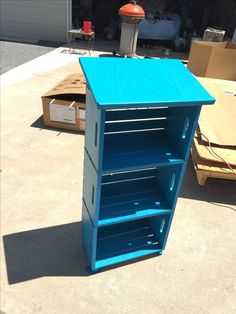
[
  {"x": 70, "y": 95},
  {"x": 204, "y": 152},
  {"x": 208, "y": 169},
  {"x": 213, "y": 59},
  {"x": 218, "y": 122}
]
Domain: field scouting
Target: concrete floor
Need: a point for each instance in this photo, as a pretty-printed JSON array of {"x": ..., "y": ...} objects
[{"x": 43, "y": 265}]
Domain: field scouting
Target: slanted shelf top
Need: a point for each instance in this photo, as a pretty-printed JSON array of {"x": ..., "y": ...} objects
[{"x": 125, "y": 82}]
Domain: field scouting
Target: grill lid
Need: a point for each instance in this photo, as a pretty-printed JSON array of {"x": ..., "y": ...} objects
[{"x": 132, "y": 9}]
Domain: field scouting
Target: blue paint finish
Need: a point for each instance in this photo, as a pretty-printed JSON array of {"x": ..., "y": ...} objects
[
  {"x": 89, "y": 236},
  {"x": 123, "y": 151},
  {"x": 145, "y": 113},
  {"x": 128, "y": 241},
  {"x": 180, "y": 123},
  {"x": 164, "y": 137},
  {"x": 126, "y": 257},
  {"x": 119, "y": 82},
  {"x": 132, "y": 216},
  {"x": 141, "y": 117},
  {"x": 91, "y": 188},
  {"x": 129, "y": 195},
  {"x": 189, "y": 144},
  {"x": 167, "y": 179},
  {"x": 94, "y": 130},
  {"x": 160, "y": 225}
]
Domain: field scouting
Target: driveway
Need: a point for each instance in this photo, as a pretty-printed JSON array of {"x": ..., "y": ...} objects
[{"x": 14, "y": 54}]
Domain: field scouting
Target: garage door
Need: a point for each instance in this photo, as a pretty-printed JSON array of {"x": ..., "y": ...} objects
[{"x": 35, "y": 19}]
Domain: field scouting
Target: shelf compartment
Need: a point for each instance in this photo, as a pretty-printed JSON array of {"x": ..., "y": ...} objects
[
  {"x": 130, "y": 240},
  {"x": 123, "y": 139},
  {"x": 137, "y": 150},
  {"x": 134, "y": 195},
  {"x": 135, "y": 138},
  {"x": 129, "y": 195}
]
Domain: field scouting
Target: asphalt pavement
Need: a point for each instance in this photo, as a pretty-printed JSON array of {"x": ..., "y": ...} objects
[{"x": 14, "y": 54}]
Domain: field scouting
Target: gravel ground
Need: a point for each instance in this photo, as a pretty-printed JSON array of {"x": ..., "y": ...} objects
[{"x": 14, "y": 54}]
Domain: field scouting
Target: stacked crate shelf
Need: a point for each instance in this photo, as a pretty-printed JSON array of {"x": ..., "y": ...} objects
[{"x": 141, "y": 116}]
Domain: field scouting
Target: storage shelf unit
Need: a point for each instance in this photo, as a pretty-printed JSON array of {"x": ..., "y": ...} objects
[{"x": 141, "y": 116}]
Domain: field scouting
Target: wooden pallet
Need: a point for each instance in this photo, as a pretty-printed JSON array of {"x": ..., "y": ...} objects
[{"x": 210, "y": 169}]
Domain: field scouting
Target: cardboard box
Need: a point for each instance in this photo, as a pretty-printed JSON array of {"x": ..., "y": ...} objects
[
  {"x": 213, "y": 59},
  {"x": 218, "y": 122},
  {"x": 64, "y": 104}
]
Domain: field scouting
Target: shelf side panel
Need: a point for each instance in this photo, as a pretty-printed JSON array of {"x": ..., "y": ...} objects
[
  {"x": 160, "y": 226},
  {"x": 167, "y": 179},
  {"x": 178, "y": 186},
  {"x": 94, "y": 132},
  {"x": 89, "y": 236},
  {"x": 193, "y": 115},
  {"x": 91, "y": 188},
  {"x": 181, "y": 124}
]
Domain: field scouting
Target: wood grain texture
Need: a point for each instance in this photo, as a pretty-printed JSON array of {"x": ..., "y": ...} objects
[{"x": 124, "y": 82}]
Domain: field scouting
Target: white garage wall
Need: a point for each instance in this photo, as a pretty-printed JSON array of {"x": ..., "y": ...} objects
[{"x": 34, "y": 19}]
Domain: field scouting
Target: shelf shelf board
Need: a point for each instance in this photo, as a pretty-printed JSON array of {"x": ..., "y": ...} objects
[
  {"x": 127, "y": 241},
  {"x": 122, "y": 151},
  {"x": 133, "y": 82},
  {"x": 132, "y": 205}
]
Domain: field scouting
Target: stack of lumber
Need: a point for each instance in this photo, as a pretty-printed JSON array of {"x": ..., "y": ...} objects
[{"x": 214, "y": 146}]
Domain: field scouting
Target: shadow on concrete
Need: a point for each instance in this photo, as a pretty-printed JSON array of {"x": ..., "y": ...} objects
[
  {"x": 42, "y": 43},
  {"x": 110, "y": 55},
  {"x": 39, "y": 123},
  {"x": 153, "y": 49},
  {"x": 214, "y": 191},
  {"x": 53, "y": 251}
]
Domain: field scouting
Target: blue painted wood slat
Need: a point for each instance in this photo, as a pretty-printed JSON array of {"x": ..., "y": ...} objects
[{"x": 136, "y": 113}]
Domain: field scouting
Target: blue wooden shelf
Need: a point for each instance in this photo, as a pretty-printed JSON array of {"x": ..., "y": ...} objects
[{"x": 141, "y": 115}]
